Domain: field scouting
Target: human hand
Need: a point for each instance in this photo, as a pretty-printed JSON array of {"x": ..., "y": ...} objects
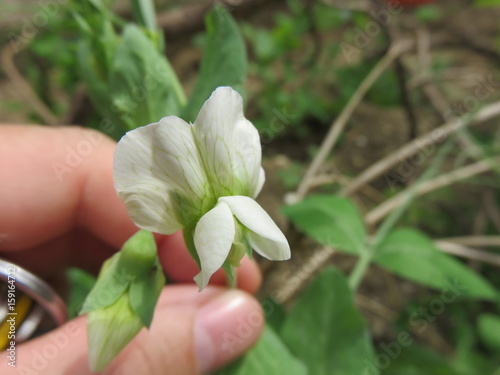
[{"x": 58, "y": 208}]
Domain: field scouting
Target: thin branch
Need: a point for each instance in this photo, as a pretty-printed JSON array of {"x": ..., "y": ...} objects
[
  {"x": 7, "y": 57},
  {"x": 427, "y": 140},
  {"x": 341, "y": 121},
  {"x": 379, "y": 212},
  {"x": 467, "y": 252},
  {"x": 478, "y": 241}
]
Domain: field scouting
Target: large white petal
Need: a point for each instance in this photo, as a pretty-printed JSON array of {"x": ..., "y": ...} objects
[
  {"x": 151, "y": 208},
  {"x": 229, "y": 144},
  {"x": 164, "y": 155},
  {"x": 213, "y": 237},
  {"x": 265, "y": 237},
  {"x": 260, "y": 183}
]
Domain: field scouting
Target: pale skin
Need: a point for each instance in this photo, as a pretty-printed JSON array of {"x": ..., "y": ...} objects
[{"x": 58, "y": 208}]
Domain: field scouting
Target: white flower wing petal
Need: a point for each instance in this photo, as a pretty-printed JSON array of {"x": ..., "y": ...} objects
[
  {"x": 260, "y": 183},
  {"x": 266, "y": 238},
  {"x": 213, "y": 237},
  {"x": 151, "y": 208},
  {"x": 229, "y": 143},
  {"x": 163, "y": 155}
]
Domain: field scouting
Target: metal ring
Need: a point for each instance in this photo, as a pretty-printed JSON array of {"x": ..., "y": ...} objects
[{"x": 36, "y": 288}]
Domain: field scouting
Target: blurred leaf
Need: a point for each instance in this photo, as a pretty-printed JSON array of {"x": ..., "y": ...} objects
[
  {"x": 469, "y": 362},
  {"x": 80, "y": 284},
  {"x": 274, "y": 312},
  {"x": 489, "y": 330},
  {"x": 144, "y": 13},
  {"x": 428, "y": 13},
  {"x": 224, "y": 60},
  {"x": 142, "y": 84},
  {"x": 268, "y": 356},
  {"x": 291, "y": 175},
  {"x": 486, "y": 3},
  {"x": 330, "y": 220},
  {"x": 410, "y": 254},
  {"x": 384, "y": 92},
  {"x": 417, "y": 360},
  {"x": 326, "y": 331}
]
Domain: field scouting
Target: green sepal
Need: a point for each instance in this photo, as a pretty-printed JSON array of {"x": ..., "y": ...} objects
[
  {"x": 132, "y": 264},
  {"x": 188, "y": 234},
  {"x": 238, "y": 250},
  {"x": 109, "y": 330},
  {"x": 138, "y": 256},
  {"x": 110, "y": 285},
  {"x": 143, "y": 294}
]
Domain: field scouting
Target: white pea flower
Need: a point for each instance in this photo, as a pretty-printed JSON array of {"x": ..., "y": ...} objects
[{"x": 201, "y": 178}]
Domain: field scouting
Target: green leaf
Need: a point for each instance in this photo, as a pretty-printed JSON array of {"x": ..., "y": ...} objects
[
  {"x": 109, "y": 287},
  {"x": 489, "y": 330},
  {"x": 144, "y": 13},
  {"x": 410, "y": 254},
  {"x": 330, "y": 220},
  {"x": 274, "y": 312},
  {"x": 415, "y": 360},
  {"x": 80, "y": 284},
  {"x": 143, "y": 86},
  {"x": 144, "y": 294},
  {"x": 224, "y": 61},
  {"x": 326, "y": 331},
  {"x": 268, "y": 356}
]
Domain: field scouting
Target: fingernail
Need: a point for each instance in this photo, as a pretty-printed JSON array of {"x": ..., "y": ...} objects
[{"x": 225, "y": 328}]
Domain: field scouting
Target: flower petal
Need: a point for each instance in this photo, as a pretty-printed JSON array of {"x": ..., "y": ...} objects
[
  {"x": 265, "y": 237},
  {"x": 151, "y": 208},
  {"x": 213, "y": 237},
  {"x": 160, "y": 159},
  {"x": 260, "y": 183},
  {"x": 229, "y": 144}
]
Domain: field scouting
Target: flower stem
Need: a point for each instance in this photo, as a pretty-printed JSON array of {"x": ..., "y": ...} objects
[{"x": 231, "y": 275}]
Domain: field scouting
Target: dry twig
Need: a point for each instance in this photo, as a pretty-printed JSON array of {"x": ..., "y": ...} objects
[
  {"x": 467, "y": 252},
  {"x": 437, "y": 135},
  {"x": 379, "y": 212},
  {"x": 341, "y": 121}
]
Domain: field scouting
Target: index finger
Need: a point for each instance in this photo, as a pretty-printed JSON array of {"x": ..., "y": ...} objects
[{"x": 54, "y": 179}]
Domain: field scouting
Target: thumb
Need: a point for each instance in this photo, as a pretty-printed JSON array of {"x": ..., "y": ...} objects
[{"x": 192, "y": 333}]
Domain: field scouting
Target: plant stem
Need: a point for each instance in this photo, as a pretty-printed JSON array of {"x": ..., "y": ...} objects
[{"x": 359, "y": 269}]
